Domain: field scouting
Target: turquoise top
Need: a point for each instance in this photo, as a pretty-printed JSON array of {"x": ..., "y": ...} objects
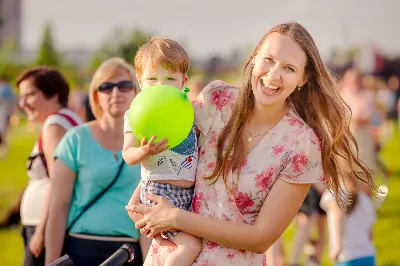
[{"x": 95, "y": 168}]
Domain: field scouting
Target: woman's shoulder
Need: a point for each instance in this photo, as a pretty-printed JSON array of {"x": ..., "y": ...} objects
[
  {"x": 65, "y": 118},
  {"x": 300, "y": 130},
  {"x": 214, "y": 104},
  {"x": 216, "y": 96},
  {"x": 218, "y": 92},
  {"x": 79, "y": 133},
  {"x": 219, "y": 85}
]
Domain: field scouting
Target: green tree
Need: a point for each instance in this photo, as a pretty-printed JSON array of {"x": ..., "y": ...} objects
[{"x": 47, "y": 53}]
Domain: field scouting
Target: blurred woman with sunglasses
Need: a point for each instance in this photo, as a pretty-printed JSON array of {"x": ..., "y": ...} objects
[
  {"x": 43, "y": 93},
  {"x": 91, "y": 184}
]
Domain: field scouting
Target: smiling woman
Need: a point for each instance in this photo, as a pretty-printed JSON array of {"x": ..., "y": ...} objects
[
  {"x": 248, "y": 192},
  {"x": 43, "y": 93},
  {"x": 279, "y": 68}
]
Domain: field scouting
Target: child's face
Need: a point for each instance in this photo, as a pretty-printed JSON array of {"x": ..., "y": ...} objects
[{"x": 159, "y": 75}]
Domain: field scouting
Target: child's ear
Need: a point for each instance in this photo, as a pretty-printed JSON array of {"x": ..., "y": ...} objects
[{"x": 185, "y": 78}]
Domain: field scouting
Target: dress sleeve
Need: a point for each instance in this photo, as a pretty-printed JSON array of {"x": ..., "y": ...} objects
[
  {"x": 304, "y": 163},
  {"x": 211, "y": 101},
  {"x": 67, "y": 148}
]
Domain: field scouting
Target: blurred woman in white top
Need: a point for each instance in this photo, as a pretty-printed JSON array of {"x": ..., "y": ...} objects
[
  {"x": 350, "y": 231},
  {"x": 43, "y": 93}
]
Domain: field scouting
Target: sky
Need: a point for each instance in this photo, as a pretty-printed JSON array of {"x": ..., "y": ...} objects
[{"x": 213, "y": 27}]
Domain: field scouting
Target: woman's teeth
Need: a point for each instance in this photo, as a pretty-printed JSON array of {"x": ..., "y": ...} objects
[{"x": 270, "y": 88}]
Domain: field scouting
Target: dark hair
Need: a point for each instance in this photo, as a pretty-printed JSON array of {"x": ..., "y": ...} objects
[{"x": 49, "y": 81}]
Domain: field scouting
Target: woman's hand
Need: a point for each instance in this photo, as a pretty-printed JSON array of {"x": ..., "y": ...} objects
[
  {"x": 334, "y": 255},
  {"x": 159, "y": 218},
  {"x": 135, "y": 216},
  {"x": 37, "y": 243}
]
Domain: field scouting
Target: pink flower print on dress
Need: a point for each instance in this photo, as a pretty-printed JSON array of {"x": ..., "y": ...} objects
[
  {"x": 278, "y": 149},
  {"x": 196, "y": 202},
  {"x": 299, "y": 162},
  {"x": 208, "y": 263},
  {"x": 315, "y": 140},
  {"x": 243, "y": 201},
  {"x": 221, "y": 98},
  {"x": 243, "y": 163},
  {"x": 155, "y": 250},
  {"x": 210, "y": 167},
  {"x": 293, "y": 121},
  {"x": 212, "y": 245},
  {"x": 264, "y": 179}
]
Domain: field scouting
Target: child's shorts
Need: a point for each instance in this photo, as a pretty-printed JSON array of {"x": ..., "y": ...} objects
[{"x": 180, "y": 197}]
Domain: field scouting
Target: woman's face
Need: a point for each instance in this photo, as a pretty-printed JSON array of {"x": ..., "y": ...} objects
[
  {"x": 34, "y": 103},
  {"x": 116, "y": 94},
  {"x": 279, "y": 68}
]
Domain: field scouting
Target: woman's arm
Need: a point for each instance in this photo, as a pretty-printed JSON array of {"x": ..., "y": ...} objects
[
  {"x": 62, "y": 185},
  {"x": 278, "y": 210},
  {"x": 145, "y": 244},
  {"x": 51, "y": 136},
  {"x": 337, "y": 229}
]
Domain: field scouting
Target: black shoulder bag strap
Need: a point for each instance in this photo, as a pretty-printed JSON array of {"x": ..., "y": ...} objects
[{"x": 97, "y": 197}]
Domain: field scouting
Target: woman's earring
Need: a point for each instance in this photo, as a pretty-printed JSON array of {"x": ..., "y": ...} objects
[{"x": 298, "y": 88}]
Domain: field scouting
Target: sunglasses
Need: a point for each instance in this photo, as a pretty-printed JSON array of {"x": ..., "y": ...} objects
[{"x": 123, "y": 86}]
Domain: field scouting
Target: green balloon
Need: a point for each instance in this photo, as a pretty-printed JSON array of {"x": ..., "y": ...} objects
[{"x": 162, "y": 111}]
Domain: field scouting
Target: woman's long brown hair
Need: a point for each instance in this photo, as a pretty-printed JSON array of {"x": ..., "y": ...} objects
[{"x": 319, "y": 105}]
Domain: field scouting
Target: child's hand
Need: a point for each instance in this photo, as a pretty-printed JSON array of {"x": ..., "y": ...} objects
[
  {"x": 149, "y": 148},
  {"x": 334, "y": 255}
]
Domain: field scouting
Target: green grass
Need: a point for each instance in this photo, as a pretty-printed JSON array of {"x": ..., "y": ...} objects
[{"x": 13, "y": 179}]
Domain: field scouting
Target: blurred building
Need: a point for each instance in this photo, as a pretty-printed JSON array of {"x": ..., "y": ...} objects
[{"x": 10, "y": 21}]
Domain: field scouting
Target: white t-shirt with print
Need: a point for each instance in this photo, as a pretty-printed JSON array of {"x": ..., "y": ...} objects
[{"x": 178, "y": 163}]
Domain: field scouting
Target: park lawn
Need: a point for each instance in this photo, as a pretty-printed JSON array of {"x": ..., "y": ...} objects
[{"x": 13, "y": 179}]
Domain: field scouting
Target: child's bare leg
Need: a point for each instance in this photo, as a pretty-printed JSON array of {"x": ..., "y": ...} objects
[{"x": 188, "y": 248}]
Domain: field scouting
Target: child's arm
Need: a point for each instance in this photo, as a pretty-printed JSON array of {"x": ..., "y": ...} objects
[
  {"x": 135, "y": 199},
  {"x": 135, "y": 152},
  {"x": 131, "y": 149}
]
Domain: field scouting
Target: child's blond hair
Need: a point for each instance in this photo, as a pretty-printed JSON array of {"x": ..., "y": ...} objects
[{"x": 168, "y": 53}]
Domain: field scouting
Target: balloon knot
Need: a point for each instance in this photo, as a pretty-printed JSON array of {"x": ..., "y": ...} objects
[{"x": 186, "y": 90}]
